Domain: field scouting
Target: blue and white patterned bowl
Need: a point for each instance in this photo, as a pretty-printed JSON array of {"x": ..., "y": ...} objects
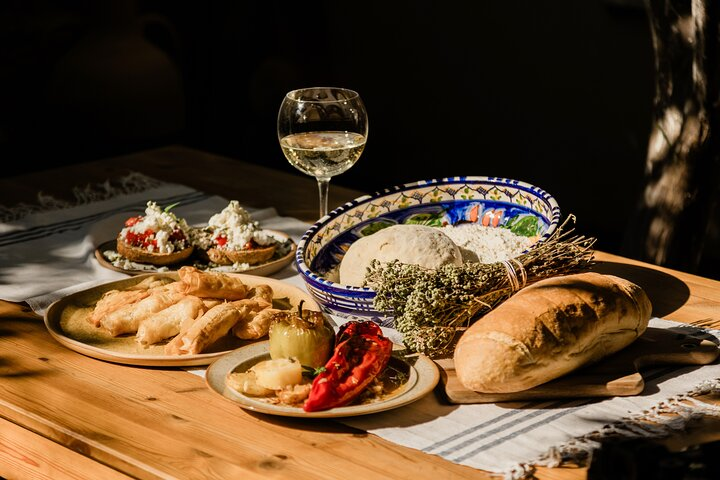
[{"x": 497, "y": 202}]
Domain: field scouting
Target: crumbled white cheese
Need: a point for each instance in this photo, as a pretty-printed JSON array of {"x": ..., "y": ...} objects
[
  {"x": 236, "y": 225},
  {"x": 162, "y": 223},
  {"x": 231, "y": 215},
  {"x": 123, "y": 263}
]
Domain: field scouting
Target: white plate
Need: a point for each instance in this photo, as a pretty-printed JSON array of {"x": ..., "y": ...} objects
[
  {"x": 273, "y": 265},
  {"x": 65, "y": 319},
  {"x": 423, "y": 375}
]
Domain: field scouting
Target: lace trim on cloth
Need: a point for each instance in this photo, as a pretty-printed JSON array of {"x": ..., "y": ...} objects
[
  {"x": 669, "y": 417},
  {"x": 134, "y": 182}
]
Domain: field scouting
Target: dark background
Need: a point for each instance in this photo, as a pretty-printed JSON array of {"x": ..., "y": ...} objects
[{"x": 557, "y": 94}]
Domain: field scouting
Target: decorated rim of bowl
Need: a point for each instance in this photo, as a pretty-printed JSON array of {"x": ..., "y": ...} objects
[{"x": 364, "y": 293}]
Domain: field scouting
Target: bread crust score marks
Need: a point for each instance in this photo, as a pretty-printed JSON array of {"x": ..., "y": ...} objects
[{"x": 550, "y": 329}]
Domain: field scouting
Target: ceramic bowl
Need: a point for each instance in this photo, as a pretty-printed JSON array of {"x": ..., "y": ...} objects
[{"x": 496, "y": 202}]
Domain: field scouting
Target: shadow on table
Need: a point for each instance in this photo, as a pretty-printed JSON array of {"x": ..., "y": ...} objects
[
  {"x": 666, "y": 292},
  {"x": 323, "y": 425}
]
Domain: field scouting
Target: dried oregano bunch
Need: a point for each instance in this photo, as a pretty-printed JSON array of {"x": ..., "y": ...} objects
[{"x": 431, "y": 306}]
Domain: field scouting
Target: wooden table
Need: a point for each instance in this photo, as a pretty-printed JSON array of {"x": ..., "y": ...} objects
[{"x": 64, "y": 415}]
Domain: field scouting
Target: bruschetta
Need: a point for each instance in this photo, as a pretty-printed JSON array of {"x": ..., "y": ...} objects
[
  {"x": 158, "y": 237},
  {"x": 233, "y": 237}
]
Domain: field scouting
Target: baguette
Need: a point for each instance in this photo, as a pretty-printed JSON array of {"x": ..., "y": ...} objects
[{"x": 549, "y": 329}]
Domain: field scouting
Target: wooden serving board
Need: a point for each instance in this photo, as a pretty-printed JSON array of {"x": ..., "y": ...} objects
[{"x": 617, "y": 375}]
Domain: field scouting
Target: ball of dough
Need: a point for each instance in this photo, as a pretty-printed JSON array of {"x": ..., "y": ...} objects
[{"x": 411, "y": 244}]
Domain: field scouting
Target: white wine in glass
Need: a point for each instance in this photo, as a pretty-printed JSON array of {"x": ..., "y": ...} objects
[{"x": 322, "y": 132}]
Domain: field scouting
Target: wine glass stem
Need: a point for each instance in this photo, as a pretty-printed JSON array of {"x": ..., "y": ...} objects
[{"x": 323, "y": 188}]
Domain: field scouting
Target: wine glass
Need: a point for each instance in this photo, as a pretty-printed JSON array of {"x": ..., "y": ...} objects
[{"x": 322, "y": 132}]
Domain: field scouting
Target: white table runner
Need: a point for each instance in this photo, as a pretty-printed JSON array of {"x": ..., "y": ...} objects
[{"x": 46, "y": 253}]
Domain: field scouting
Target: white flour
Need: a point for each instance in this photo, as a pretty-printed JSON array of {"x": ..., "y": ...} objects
[{"x": 486, "y": 244}]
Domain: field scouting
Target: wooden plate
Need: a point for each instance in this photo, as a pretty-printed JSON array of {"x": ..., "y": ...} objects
[
  {"x": 273, "y": 265},
  {"x": 422, "y": 377},
  {"x": 66, "y": 320}
]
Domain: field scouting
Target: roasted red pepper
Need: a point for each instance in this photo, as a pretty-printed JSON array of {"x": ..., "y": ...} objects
[{"x": 361, "y": 353}]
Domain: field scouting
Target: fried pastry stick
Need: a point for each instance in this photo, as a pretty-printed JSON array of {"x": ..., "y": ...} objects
[
  {"x": 210, "y": 284},
  {"x": 167, "y": 322},
  {"x": 173, "y": 347},
  {"x": 262, "y": 293},
  {"x": 115, "y": 299},
  {"x": 255, "y": 327},
  {"x": 127, "y": 319},
  {"x": 215, "y": 324},
  {"x": 250, "y": 328}
]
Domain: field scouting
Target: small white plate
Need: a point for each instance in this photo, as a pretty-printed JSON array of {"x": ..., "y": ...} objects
[
  {"x": 422, "y": 377},
  {"x": 273, "y": 265}
]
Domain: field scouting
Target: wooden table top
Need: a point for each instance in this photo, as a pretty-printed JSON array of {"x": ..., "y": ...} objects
[{"x": 64, "y": 415}]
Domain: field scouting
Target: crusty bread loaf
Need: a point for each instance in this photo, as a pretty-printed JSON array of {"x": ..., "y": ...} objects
[
  {"x": 549, "y": 329},
  {"x": 413, "y": 244},
  {"x": 142, "y": 255}
]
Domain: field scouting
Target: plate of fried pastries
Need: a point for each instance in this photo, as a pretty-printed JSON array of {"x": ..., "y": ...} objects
[
  {"x": 187, "y": 317},
  {"x": 107, "y": 256}
]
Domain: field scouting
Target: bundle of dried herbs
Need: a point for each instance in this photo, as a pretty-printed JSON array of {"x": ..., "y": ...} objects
[{"x": 431, "y": 306}]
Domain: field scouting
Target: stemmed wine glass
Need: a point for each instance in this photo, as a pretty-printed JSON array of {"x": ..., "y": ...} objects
[{"x": 322, "y": 132}]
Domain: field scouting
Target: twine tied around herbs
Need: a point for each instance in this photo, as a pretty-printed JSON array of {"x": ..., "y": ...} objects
[
  {"x": 431, "y": 306},
  {"x": 513, "y": 272}
]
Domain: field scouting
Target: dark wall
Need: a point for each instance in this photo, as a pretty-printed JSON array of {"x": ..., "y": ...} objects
[{"x": 557, "y": 94}]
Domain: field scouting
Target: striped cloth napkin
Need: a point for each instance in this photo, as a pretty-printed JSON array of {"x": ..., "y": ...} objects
[
  {"x": 47, "y": 252},
  {"x": 511, "y": 439}
]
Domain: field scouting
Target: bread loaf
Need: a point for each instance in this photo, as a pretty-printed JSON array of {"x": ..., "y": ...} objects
[
  {"x": 549, "y": 329},
  {"x": 413, "y": 244}
]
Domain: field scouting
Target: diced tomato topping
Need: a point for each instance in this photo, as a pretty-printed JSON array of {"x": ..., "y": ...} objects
[
  {"x": 221, "y": 240},
  {"x": 144, "y": 239},
  {"x": 132, "y": 221},
  {"x": 147, "y": 238}
]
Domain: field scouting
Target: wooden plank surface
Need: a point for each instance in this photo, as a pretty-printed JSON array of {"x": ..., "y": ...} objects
[
  {"x": 164, "y": 423},
  {"x": 25, "y": 455}
]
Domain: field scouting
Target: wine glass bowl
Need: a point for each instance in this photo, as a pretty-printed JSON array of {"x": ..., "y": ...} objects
[{"x": 322, "y": 132}]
